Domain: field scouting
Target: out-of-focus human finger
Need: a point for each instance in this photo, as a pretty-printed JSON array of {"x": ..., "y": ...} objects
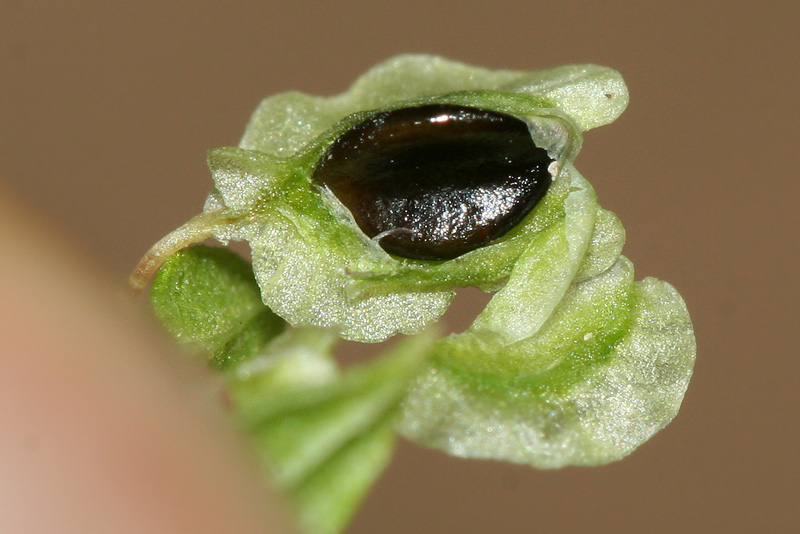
[{"x": 102, "y": 427}]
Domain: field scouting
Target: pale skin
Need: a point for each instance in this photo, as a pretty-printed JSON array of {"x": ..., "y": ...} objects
[{"x": 103, "y": 427}]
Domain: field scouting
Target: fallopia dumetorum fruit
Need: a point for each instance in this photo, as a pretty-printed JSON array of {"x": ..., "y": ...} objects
[{"x": 366, "y": 210}]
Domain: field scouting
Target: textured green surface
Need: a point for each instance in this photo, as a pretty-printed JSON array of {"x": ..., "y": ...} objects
[
  {"x": 596, "y": 406},
  {"x": 207, "y": 296}
]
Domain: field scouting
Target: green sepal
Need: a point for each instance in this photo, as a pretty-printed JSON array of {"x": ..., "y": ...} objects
[
  {"x": 323, "y": 437},
  {"x": 604, "y": 375},
  {"x": 285, "y": 123},
  {"x": 314, "y": 265},
  {"x": 208, "y": 297},
  {"x": 328, "y": 499}
]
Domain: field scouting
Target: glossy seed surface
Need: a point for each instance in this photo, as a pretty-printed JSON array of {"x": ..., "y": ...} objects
[{"x": 434, "y": 182}]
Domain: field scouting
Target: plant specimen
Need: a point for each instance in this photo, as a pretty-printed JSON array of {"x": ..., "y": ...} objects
[{"x": 364, "y": 212}]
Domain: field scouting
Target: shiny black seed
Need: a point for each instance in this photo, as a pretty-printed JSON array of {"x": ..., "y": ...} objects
[{"x": 436, "y": 181}]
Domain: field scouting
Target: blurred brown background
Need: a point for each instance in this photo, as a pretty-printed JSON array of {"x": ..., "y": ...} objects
[{"x": 107, "y": 109}]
